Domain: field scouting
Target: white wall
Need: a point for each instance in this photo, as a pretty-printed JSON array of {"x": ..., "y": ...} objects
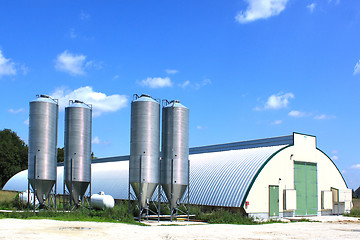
[{"x": 280, "y": 171}]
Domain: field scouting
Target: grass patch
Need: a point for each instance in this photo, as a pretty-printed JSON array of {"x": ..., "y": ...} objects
[
  {"x": 9, "y": 200},
  {"x": 7, "y": 195},
  {"x": 226, "y": 217},
  {"x": 221, "y": 216},
  {"x": 118, "y": 214},
  {"x": 354, "y": 213}
]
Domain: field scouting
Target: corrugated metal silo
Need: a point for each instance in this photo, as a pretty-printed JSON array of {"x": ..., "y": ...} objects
[
  {"x": 77, "y": 149},
  {"x": 144, "y": 147},
  {"x": 43, "y": 124},
  {"x": 175, "y": 151}
]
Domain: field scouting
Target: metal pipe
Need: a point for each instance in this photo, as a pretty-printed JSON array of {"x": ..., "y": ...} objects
[{"x": 140, "y": 190}]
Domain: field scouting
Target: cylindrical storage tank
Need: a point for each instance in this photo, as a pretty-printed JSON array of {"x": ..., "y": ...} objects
[
  {"x": 43, "y": 125},
  {"x": 175, "y": 151},
  {"x": 102, "y": 201},
  {"x": 77, "y": 148},
  {"x": 144, "y": 147}
]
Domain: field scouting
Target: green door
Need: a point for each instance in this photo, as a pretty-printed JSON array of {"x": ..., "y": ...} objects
[
  {"x": 311, "y": 197},
  {"x": 305, "y": 175},
  {"x": 273, "y": 201}
]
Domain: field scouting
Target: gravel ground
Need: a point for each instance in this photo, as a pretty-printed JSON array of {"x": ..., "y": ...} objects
[{"x": 328, "y": 228}]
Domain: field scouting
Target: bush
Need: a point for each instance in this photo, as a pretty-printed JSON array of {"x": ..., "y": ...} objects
[
  {"x": 354, "y": 213},
  {"x": 223, "y": 216}
]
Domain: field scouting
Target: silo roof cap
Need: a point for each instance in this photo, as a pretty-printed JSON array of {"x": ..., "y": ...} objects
[
  {"x": 145, "y": 98},
  {"x": 45, "y": 98},
  {"x": 175, "y": 103},
  {"x": 78, "y": 103}
]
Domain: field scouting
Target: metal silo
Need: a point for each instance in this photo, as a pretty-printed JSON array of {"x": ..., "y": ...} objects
[
  {"x": 144, "y": 166},
  {"x": 43, "y": 124},
  {"x": 77, "y": 149},
  {"x": 174, "y": 151}
]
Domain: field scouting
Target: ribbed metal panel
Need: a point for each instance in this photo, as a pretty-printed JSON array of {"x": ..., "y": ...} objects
[
  {"x": 43, "y": 124},
  {"x": 223, "y": 178},
  {"x": 175, "y": 151},
  {"x": 144, "y": 147},
  {"x": 77, "y": 144}
]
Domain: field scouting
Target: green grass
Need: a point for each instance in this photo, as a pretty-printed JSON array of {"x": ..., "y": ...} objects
[
  {"x": 226, "y": 217},
  {"x": 354, "y": 213},
  {"x": 118, "y": 214},
  {"x": 7, "y": 195},
  {"x": 10, "y": 201},
  {"x": 220, "y": 216}
]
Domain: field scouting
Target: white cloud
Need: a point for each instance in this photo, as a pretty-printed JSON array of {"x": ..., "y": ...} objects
[
  {"x": 356, "y": 166},
  {"x": 204, "y": 83},
  {"x": 96, "y": 140},
  {"x": 277, "y": 101},
  {"x": 184, "y": 84},
  {"x": 115, "y": 77},
  {"x": 334, "y": 151},
  {"x": 84, "y": 16},
  {"x": 100, "y": 101},
  {"x": 335, "y": 158},
  {"x": 199, "y": 127},
  {"x": 74, "y": 64},
  {"x": 171, "y": 71},
  {"x": 7, "y": 67},
  {"x": 156, "y": 82},
  {"x": 295, "y": 113},
  {"x": 324, "y": 117},
  {"x": 311, "y": 7},
  {"x": 260, "y": 9},
  {"x": 15, "y": 111},
  {"x": 277, "y": 122},
  {"x": 72, "y": 34},
  {"x": 357, "y": 68},
  {"x": 26, "y": 122}
]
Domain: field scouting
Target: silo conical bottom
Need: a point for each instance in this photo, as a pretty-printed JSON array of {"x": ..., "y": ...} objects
[
  {"x": 147, "y": 190},
  {"x": 43, "y": 188},
  {"x": 178, "y": 192},
  {"x": 77, "y": 189}
]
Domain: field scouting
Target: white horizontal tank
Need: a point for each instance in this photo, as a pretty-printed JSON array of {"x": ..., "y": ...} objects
[{"x": 101, "y": 201}]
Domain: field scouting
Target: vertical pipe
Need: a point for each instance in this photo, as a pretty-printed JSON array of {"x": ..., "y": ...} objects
[
  {"x": 64, "y": 191},
  {"x": 140, "y": 190},
  {"x": 71, "y": 178},
  {"x": 55, "y": 192},
  {"x": 159, "y": 191},
  {"x": 129, "y": 189},
  {"x": 172, "y": 189},
  {"x": 188, "y": 198},
  {"x": 35, "y": 191}
]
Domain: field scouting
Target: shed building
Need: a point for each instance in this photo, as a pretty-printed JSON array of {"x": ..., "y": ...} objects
[{"x": 273, "y": 177}]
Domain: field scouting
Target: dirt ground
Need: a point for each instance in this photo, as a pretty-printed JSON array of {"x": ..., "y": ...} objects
[{"x": 328, "y": 228}]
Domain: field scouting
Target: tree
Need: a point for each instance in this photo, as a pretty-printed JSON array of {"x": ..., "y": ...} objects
[
  {"x": 60, "y": 155},
  {"x": 13, "y": 155}
]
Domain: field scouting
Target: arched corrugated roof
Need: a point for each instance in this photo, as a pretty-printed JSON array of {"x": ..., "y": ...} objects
[
  {"x": 216, "y": 178},
  {"x": 223, "y": 178}
]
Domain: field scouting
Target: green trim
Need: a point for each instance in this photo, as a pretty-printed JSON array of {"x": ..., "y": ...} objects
[
  {"x": 258, "y": 172},
  {"x": 334, "y": 165}
]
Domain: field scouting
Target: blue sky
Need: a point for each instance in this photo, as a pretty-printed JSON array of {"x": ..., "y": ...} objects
[{"x": 247, "y": 69}]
